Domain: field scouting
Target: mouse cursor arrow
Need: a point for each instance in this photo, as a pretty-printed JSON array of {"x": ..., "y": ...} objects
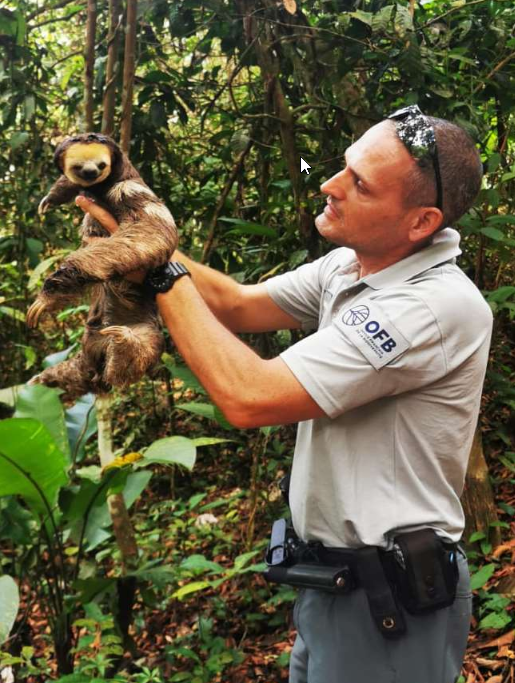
[{"x": 304, "y": 166}]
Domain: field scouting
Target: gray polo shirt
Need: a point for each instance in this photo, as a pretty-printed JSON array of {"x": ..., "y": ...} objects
[{"x": 397, "y": 364}]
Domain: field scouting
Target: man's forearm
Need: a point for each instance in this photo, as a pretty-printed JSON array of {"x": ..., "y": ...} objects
[
  {"x": 220, "y": 292},
  {"x": 250, "y": 391}
]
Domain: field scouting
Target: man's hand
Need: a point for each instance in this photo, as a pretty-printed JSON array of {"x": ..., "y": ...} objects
[{"x": 108, "y": 222}]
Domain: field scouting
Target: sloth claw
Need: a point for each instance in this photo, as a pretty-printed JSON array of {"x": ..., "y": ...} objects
[
  {"x": 34, "y": 313},
  {"x": 43, "y": 205}
]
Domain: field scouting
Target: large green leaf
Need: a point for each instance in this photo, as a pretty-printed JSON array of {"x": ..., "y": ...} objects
[
  {"x": 31, "y": 463},
  {"x": 9, "y": 605},
  {"x": 174, "y": 450},
  {"x": 43, "y": 404},
  {"x": 10, "y": 394}
]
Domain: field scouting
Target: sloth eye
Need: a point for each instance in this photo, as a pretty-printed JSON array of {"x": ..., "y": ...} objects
[
  {"x": 102, "y": 165},
  {"x": 76, "y": 167}
]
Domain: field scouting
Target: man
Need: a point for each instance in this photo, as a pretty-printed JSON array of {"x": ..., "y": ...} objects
[{"x": 386, "y": 392}]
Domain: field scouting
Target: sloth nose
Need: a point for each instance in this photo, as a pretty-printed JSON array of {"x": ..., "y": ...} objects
[{"x": 90, "y": 173}]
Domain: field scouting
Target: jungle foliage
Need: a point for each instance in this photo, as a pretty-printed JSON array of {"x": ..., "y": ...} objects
[{"x": 227, "y": 97}]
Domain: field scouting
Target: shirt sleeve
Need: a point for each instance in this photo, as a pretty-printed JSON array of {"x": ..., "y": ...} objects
[
  {"x": 300, "y": 291},
  {"x": 374, "y": 349}
]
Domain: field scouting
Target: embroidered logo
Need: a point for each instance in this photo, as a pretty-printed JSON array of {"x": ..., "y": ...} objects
[
  {"x": 356, "y": 316},
  {"x": 371, "y": 331}
]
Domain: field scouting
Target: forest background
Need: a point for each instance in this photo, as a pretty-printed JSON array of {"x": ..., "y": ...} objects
[{"x": 146, "y": 567}]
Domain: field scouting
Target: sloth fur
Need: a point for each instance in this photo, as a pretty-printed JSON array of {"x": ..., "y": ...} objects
[{"x": 123, "y": 338}]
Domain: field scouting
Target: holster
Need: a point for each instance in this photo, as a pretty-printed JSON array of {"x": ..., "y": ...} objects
[{"x": 425, "y": 571}]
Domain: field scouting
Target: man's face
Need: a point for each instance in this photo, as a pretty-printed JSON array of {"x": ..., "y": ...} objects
[{"x": 365, "y": 208}]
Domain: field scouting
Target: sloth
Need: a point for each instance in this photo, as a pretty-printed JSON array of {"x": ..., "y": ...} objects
[{"x": 123, "y": 339}]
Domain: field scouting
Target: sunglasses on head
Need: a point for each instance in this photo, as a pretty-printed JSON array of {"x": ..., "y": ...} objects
[{"x": 418, "y": 136}]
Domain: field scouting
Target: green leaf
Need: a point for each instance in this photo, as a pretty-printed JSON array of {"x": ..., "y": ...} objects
[
  {"x": 493, "y": 233},
  {"x": 381, "y": 19},
  {"x": 12, "y": 313},
  {"x": 248, "y": 228},
  {"x": 9, "y": 605},
  {"x": 208, "y": 441},
  {"x": 477, "y": 536},
  {"x": 495, "y": 620},
  {"x": 10, "y": 394},
  {"x": 81, "y": 424},
  {"x": 501, "y": 294},
  {"x": 188, "y": 589},
  {"x": 479, "y": 579},
  {"x": 174, "y": 450},
  {"x": 55, "y": 358},
  {"x": 42, "y": 268},
  {"x": 27, "y": 448},
  {"x": 43, "y": 404},
  {"x": 206, "y": 410},
  {"x": 136, "y": 483},
  {"x": 18, "y": 139},
  {"x": 200, "y": 563},
  {"x": 360, "y": 15},
  {"x": 403, "y": 21},
  {"x": 183, "y": 373}
]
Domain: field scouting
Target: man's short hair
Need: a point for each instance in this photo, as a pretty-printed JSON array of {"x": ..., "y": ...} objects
[{"x": 461, "y": 171}]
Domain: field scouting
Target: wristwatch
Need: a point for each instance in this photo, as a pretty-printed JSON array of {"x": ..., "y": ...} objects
[{"x": 162, "y": 278}]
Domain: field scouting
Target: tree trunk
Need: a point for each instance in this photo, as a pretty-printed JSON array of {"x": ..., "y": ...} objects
[
  {"x": 89, "y": 58},
  {"x": 113, "y": 48},
  {"x": 275, "y": 97},
  {"x": 122, "y": 527},
  {"x": 478, "y": 498},
  {"x": 129, "y": 62}
]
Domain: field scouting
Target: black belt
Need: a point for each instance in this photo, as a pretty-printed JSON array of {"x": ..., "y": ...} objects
[{"x": 341, "y": 570}]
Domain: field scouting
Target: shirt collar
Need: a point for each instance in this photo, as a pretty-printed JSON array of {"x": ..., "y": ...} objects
[{"x": 444, "y": 247}]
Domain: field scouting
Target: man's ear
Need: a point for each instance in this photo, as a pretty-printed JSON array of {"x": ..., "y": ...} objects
[{"x": 426, "y": 222}]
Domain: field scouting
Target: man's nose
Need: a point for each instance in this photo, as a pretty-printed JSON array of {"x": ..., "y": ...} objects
[{"x": 334, "y": 186}]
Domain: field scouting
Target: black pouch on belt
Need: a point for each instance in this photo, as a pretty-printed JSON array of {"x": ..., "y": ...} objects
[{"x": 426, "y": 571}]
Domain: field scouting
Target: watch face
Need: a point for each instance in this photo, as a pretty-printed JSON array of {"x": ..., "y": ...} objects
[{"x": 161, "y": 279}]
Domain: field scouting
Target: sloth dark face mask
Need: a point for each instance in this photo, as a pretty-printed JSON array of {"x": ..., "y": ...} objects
[{"x": 418, "y": 136}]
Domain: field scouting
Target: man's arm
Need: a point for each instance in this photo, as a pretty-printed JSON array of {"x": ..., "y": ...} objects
[
  {"x": 241, "y": 308},
  {"x": 250, "y": 391}
]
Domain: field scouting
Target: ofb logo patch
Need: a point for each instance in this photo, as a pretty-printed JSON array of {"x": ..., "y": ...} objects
[{"x": 356, "y": 316}]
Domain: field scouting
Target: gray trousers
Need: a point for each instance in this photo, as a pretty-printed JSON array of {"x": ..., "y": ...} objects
[{"x": 338, "y": 642}]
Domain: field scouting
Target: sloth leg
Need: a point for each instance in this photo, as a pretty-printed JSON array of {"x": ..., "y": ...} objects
[
  {"x": 131, "y": 352},
  {"x": 71, "y": 375}
]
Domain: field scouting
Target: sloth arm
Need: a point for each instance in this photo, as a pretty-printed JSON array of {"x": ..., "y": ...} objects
[
  {"x": 142, "y": 242},
  {"x": 241, "y": 308},
  {"x": 61, "y": 192}
]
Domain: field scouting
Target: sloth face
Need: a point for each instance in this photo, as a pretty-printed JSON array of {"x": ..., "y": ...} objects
[{"x": 87, "y": 164}]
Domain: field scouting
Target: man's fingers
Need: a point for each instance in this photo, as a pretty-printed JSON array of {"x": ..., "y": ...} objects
[{"x": 98, "y": 213}]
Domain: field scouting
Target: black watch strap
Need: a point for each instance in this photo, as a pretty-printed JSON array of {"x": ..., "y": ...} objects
[{"x": 162, "y": 278}]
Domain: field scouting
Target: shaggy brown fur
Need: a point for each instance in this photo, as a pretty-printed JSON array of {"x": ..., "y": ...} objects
[{"x": 123, "y": 338}]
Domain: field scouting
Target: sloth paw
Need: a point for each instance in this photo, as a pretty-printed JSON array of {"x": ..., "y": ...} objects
[
  {"x": 120, "y": 334},
  {"x": 35, "y": 312}
]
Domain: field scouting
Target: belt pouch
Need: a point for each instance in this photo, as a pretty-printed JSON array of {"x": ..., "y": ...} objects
[
  {"x": 383, "y": 606},
  {"x": 426, "y": 572}
]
